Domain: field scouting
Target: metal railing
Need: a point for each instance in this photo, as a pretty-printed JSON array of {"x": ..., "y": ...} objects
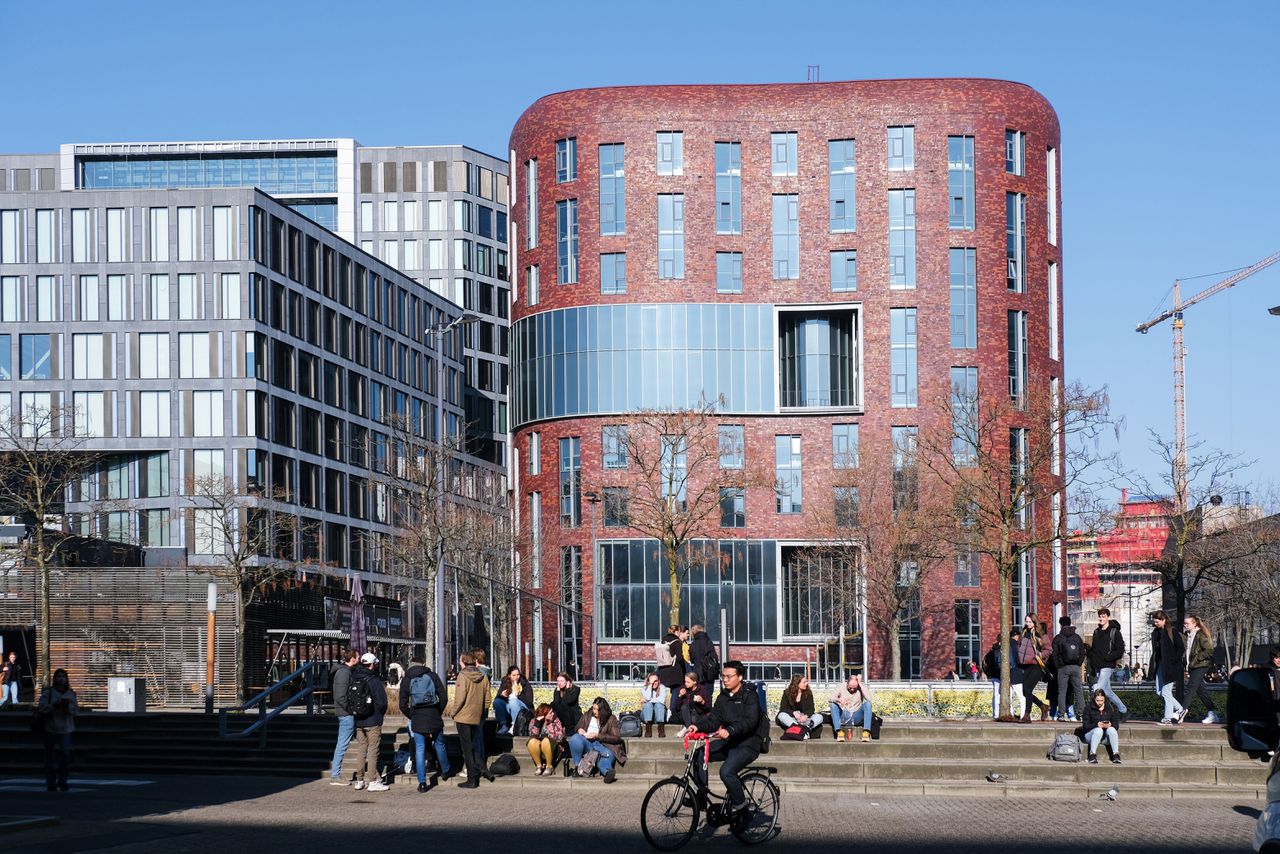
[{"x": 309, "y": 674}]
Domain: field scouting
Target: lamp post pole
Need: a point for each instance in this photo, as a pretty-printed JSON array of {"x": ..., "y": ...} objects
[{"x": 209, "y": 648}]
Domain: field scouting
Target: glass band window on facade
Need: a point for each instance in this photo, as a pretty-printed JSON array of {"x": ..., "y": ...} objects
[
  {"x": 786, "y": 237},
  {"x": 843, "y": 184},
  {"x": 817, "y": 354},
  {"x": 960, "y": 213},
  {"x": 902, "y": 239},
  {"x": 272, "y": 173},
  {"x": 613, "y": 197},
  {"x": 728, "y": 188}
]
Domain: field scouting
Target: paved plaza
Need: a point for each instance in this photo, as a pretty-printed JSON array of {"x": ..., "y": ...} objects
[{"x": 178, "y": 814}]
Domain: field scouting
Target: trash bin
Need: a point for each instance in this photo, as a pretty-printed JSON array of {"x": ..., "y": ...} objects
[{"x": 126, "y": 694}]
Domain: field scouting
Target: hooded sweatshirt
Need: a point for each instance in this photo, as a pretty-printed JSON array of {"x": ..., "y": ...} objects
[
  {"x": 1107, "y": 646},
  {"x": 471, "y": 696},
  {"x": 60, "y": 717}
]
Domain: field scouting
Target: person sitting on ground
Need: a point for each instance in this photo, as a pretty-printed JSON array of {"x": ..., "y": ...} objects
[
  {"x": 1101, "y": 720},
  {"x": 515, "y": 695},
  {"x": 653, "y": 695},
  {"x": 599, "y": 733},
  {"x": 733, "y": 728},
  {"x": 691, "y": 701},
  {"x": 545, "y": 735},
  {"x": 796, "y": 708},
  {"x": 850, "y": 707},
  {"x": 564, "y": 701}
]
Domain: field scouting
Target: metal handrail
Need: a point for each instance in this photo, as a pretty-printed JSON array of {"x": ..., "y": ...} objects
[{"x": 308, "y": 671}]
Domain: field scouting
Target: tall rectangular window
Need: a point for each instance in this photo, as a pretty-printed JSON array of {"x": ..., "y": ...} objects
[
  {"x": 435, "y": 214},
  {"x": 34, "y": 362},
  {"x": 390, "y": 216},
  {"x": 81, "y": 236},
  {"x": 902, "y": 357},
  {"x": 48, "y": 299},
  {"x": 206, "y": 413},
  {"x": 566, "y": 160},
  {"x": 960, "y": 181},
  {"x": 786, "y": 237},
  {"x": 188, "y": 235},
  {"x": 158, "y": 234},
  {"x": 530, "y": 203},
  {"x": 366, "y": 217},
  {"x": 531, "y": 286},
  {"x": 964, "y": 416},
  {"x": 45, "y": 242},
  {"x": 189, "y": 297},
  {"x": 89, "y": 298},
  {"x": 1015, "y": 216},
  {"x": 902, "y": 239},
  {"x": 670, "y": 152},
  {"x": 847, "y": 504},
  {"x": 117, "y": 235},
  {"x": 1018, "y": 455},
  {"x": 733, "y": 507},
  {"x": 90, "y": 413},
  {"x": 411, "y": 221},
  {"x": 535, "y": 453},
  {"x": 158, "y": 297},
  {"x": 617, "y": 512},
  {"x": 567, "y": 240},
  {"x": 571, "y": 481},
  {"x": 117, "y": 298},
  {"x": 10, "y": 288},
  {"x": 844, "y": 446},
  {"x": 728, "y": 272},
  {"x": 902, "y": 148},
  {"x": 964, "y": 298},
  {"x": 153, "y": 355},
  {"x": 968, "y": 634},
  {"x": 1018, "y": 358},
  {"x": 787, "y": 471},
  {"x": 670, "y": 235},
  {"x": 728, "y": 188},
  {"x": 844, "y": 271},
  {"x": 87, "y": 357},
  {"x": 535, "y": 539},
  {"x": 224, "y": 234},
  {"x": 783, "y": 153},
  {"x": 843, "y": 184},
  {"x": 1051, "y": 171},
  {"x": 613, "y": 440},
  {"x": 10, "y": 237},
  {"x": 194, "y": 357},
  {"x": 1015, "y": 146},
  {"x": 613, "y": 194},
  {"x": 613, "y": 273},
  {"x": 732, "y": 441},
  {"x": 905, "y": 475},
  {"x": 674, "y": 470},
  {"x": 153, "y": 414},
  {"x": 1053, "y": 310}
]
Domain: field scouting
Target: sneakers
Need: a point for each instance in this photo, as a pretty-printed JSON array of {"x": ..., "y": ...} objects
[
  {"x": 422, "y": 787},
  {"x": 1166, "y": 722},
  {"x": 839, "y": 735},
  {"x": 359, "y": 785},
  {"x": 1182, "y": 715},
  {"x": 1115, "y": 759},
  {"x": 1211, "y": 718},
  {"x": 611, "y": 774},
  {"x": 866, "y": 735},
  {"x": 468, "y": 784},
  {"x": 1093, "y": 759},
  {"x": 377, "y": 786},
  {"x": 1071, "y": 716},
  {"x": 338, "y": 781}
]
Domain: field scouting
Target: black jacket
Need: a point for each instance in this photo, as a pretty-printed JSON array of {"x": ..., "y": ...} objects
[
  {"x": 427, "y": 720},
  {"x": 1168, "y": 655},
  {"x": 790, "y": 705},
  {"x": 377, "y": 690},
  {"x": 672, "y": 675},
  {"x": 565, "y": 705},
  {"x": 524, "y": 695},
  {"x": 738, "y": 713},
  {"x": 1107, "y": 647},
  {"x": 1093, "y": 715},
  {"x": 339, "y": 679},
  {"x": 699, "y": 648}
]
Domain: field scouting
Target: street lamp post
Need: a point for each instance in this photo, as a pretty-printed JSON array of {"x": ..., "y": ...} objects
[
  {"x": 594, "y": 499},
  {"x": 440, "y": 330}
]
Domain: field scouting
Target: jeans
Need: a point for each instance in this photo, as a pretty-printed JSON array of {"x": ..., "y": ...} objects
[
  {"x": 1104, "y": 682},
  {"x": 1172, "y": 708},
  {"x": 860, "y": 716},
  {"x": 1070, "y": 690},
  {"x": 732, "y": 760},
  {"x": 995, "y": 698},
  {"x": 653, "y": 713},
  {"x": 467, "y": 740},
  {"x": 786, "y": 720},
  {"x": 580, "y": 745},
  {"x": 506, "y": 710},
  {"x": 9, "y": 693},
  {"x": 346, "y": 728},
  {"x": 1094, "y": 737},
  {"x": 420, "y": 753},
  {"x": 1195, "y": 688},
  {"x": 56, "y": 744}
]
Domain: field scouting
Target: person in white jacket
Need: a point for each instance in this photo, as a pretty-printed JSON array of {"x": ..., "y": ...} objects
[{"x": 58, "y": 709}]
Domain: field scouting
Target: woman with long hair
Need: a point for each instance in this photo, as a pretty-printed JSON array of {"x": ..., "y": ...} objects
[
  {"x": 1199, "y": 661},
  {"x": 796, "y": 708},
  {"x": 1168, "y": 652},
  {"x": 545, "y": 735},
  {"x": 653, "y": 709},
  {"x": 1030, "y": 655},
  {"x": 599, "y": 733}
]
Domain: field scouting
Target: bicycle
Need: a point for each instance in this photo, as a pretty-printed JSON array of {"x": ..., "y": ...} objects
[{"x": 672, "y": 807}]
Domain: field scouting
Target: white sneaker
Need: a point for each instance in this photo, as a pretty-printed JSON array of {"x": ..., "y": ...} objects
[
  {"x": 378, "y": 786},
  {"x": 359, "y": 785},
  {"x": 1166, "y": 722},
  {"x": 1211, "y": 718},
  {"x": 408, "y": 766},
  {"x": 338, "y": 781}
]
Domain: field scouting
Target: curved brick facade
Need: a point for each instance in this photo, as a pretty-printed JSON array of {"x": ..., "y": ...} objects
[{"x": 816, "y": 113}]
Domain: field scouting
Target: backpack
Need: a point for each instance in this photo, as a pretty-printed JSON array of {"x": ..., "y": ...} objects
[
  {"x": 422, "y": 690},
  {"x": 521, "y": 726},
  {"x": 359, "y": 699},
  {"x": 876, "y": 723},
  {"x": 991, "y": 665},
  {"x": 1066, "y": 748},
  {"x": 709, "y": 667},
  {"x": 629, "y": 725},
  {"x": 762, "y": 728},
  {"x": 795, "y": 732},
  {"x": 504, "y": 766},
  {"x": 1072, "y": 649},
  {"x": 663, "y": 655}
]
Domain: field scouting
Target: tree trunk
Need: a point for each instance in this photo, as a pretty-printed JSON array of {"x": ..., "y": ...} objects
[
  {"x": 895, "y": 650},
  {"x": 673, "y": 573}
]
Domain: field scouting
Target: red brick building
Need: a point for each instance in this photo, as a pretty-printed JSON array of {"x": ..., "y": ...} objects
[{"x": 826, "y": 257}]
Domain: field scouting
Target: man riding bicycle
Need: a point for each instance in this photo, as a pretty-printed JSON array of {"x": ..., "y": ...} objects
[{"x": 732, "y": 724}]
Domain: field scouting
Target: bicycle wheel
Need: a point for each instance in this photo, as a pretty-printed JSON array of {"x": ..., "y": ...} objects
[
  {"x": 669, "y": 814},
  {"x": 761, "y": 816}
]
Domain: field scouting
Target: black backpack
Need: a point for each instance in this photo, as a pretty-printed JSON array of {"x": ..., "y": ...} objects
[
  {"x": 1072, "y": 649},
  {"x": 521, "y": 726},
  {"x": 763, "y": 727},
  {"x": 359, "y": 700},
  {"x": 504, "y": 766},
  {"x": 709, "y": 667},
  {"x": 991, "y": 665}
]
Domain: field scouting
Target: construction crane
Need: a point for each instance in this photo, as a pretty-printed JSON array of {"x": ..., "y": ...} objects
[{"x": 1179, "y": 357}]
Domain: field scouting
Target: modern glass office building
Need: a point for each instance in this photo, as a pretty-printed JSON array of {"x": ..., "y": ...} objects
[{"x": 821, "y": 261}]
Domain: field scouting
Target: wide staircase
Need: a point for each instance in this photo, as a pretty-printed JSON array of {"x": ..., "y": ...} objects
[{"x": 913, "y": 757}]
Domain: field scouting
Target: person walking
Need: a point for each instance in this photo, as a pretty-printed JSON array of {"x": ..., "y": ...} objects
[
  {"x": 1068, "y": 655},
  {"x": 58, "y": 708},
  {"x": 1031, "y": 660},
  {"x": 1199, "y": 660},
  {"x": 340, "y": 679},
  {"x": 1168, "y": 653},
  {"x": 369, "y": 715},
  {"x": 470, "y": 698},
  {"x": 1105, "y": 651},
  {"x": 10, "y": 679},
  {"x": 671, "y": 661},
  {"x": 422, "y": 701},
  {"x": 702, "y": 656}
]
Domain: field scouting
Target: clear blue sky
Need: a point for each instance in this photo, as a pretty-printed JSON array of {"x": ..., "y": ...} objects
[{"x": 1169, "y": 116}]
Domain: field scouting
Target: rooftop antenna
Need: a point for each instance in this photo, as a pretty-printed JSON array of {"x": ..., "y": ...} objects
[{"x": 813, "y": 73}]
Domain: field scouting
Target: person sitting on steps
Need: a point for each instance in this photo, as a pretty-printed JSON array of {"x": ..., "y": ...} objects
[
  {"x": 1101, "y": 720},
  {"x": 796, "y": 708},
  {"x": 693, "y": 699},
  {"x": 599, "y": 733},
  {"x": 545, "y": 735},
  {"x": 653, "y": 696},
  {"x": 850, "y": 707}
]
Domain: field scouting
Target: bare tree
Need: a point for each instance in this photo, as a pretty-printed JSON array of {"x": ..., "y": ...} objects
[
  {"x": 885, "y": 526},
  {"x": 674, "y": 481},
  {"x": 44, "y": 457},
  {"x": 1006, "y": 463}
]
